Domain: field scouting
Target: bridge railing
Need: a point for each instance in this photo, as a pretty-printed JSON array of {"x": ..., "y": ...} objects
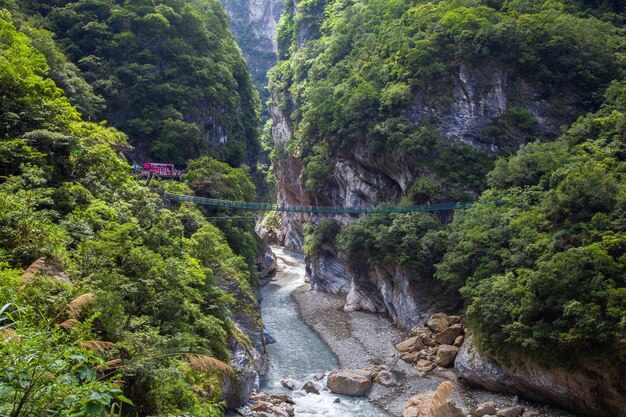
[{"x": 312, "y": 209}]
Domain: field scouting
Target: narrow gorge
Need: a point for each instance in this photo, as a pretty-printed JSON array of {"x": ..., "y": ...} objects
[{"x": 277, "y": 208}]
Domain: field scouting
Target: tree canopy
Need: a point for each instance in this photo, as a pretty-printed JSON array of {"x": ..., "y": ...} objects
[{"x": 168, "y": 73}]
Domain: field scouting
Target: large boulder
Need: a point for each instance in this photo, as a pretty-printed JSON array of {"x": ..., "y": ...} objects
[
  {"x": 290, "y": 384},
  {"x": 350, "y": 382},
  {"x": 410, "y": 345},
  {"x": 433, "y": 404},
  {"x": 438, "y": 322},
  {"x": 449, "y": 335},
  {"x": 446, "y": 355},
  {"x": 311, "y": 388}
]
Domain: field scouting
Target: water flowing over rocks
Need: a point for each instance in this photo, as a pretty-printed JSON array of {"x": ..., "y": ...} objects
[
  {"x": 289, "y": 384},
  {"x": 300, "y": 361},
  {"x": 367, "y": 341},
  {"x": 272, "y": 405}
]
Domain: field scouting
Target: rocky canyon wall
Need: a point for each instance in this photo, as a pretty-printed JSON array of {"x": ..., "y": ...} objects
[
  {"x": 254, "y": 23},
  {"x": 359, "y": 178},
  {"x": 584, "y": 390}
]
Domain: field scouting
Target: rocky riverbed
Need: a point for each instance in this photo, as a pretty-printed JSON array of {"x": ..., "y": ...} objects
[{"x": 363, "y": 340}]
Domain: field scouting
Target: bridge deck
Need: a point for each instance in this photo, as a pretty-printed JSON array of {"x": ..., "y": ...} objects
[{"x": 313, "y": 209}]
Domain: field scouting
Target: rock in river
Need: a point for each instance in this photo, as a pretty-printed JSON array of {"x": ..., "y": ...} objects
[
  {"x": 349, "y": 382},
  {"x": 311, "y": 388},
  {"x": 289, "y": 384}
]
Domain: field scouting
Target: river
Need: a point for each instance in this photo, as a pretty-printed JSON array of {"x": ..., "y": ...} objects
[{"x": 299, "y": 352}]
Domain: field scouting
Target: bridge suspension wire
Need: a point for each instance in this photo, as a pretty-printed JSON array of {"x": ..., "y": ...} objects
[
  {"x": 312, "y": 209},
  {"x": 233, "y": 217}
]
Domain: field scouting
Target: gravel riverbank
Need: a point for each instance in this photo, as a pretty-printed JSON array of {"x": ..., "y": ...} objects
[{"x": 361, "y": 339}]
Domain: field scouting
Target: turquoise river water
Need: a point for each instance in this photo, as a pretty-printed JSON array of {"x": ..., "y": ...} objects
[{"x": 299, "y": 352}]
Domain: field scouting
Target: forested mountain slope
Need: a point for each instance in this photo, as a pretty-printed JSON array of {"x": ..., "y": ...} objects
[
  {"x": 170, "y": 73},
  {"x": 105, "y": 296},
  {"x": 412, "y": 102}
]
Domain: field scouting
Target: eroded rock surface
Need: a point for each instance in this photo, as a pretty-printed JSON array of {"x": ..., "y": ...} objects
[{"x": 584, "y": 390}]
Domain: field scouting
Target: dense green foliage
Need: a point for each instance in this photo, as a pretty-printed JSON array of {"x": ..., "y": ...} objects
[
  {"x": 170, "y": 73},
  {"x": 325, "y": 233},
  {"x": 148, "y": 284},
  {"x": 214, "y": 179},
  {"x": 554, "y": 254},
  {"x": 365, "y": 63},
  {"x": 542, "y": 273}
]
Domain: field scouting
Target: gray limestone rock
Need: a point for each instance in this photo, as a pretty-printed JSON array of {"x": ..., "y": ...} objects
[{"x": 584, "y": 391}]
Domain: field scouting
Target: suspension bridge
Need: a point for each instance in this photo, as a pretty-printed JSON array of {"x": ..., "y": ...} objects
[{"x": 313, "y": 209}]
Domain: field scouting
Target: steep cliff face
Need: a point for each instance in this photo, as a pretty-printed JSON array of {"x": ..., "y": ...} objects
[
  {"x": 482, "y": 96},
  {"x": 254, "y": 23},
  {"x": 479, "y": 98}
]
